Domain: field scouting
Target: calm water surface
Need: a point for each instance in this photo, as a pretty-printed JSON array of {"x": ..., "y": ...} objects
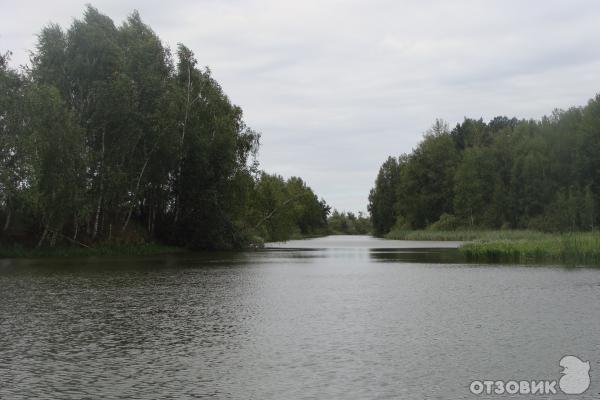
[{"x": 331, "y": 318}]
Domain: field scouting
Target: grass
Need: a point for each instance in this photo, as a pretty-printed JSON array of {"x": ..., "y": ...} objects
[
  {"x": 466, "y": 235},
  {"x": 520, "y": 246},
  {"x": 580, "y": 248},
  {"x": 18, "y": 251}
]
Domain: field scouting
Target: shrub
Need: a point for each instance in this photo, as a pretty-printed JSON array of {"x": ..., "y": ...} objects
[{"x": 447, "y": 222}]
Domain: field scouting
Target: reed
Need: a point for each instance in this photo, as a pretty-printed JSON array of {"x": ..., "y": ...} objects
[
  {"x": 580, "y": 248},
  {"x": 466, "y": 235}
]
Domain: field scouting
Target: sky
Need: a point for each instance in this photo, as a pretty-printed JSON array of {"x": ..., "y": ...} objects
[{"x": 335, "y": 87}]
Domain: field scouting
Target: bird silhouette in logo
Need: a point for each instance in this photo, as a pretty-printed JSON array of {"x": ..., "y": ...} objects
[{"x": 576, "y": 375}]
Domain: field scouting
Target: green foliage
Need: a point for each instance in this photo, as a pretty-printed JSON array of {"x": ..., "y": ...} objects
[
  {"x": 287, "y": 208},
  {"x": 108, "y": 135},
  {"x": 416, "y": 189},
  {"x": 425, "y": 189},
  {"x": 465, "y": 235},
  {"x": 447, "y": 222},
  {"x": 581, "y": 248},
  {"x": 14, "y": 138},
  {"x": 382, "y": 198},
  {"x": 57, "y": 164},
  {"x": 347, "y": 223},
  {"x": 522, "y": 174},
  {"x": 474, "y": 187}
]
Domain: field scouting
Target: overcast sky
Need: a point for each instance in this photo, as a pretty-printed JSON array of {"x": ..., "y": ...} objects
[{"x": 337, "y": 86}]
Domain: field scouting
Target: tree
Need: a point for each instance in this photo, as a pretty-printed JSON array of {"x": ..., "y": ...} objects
[
  {"x": 503, "y": 173},
  {"x": 14, "y": 165},
  {"x": 108, "y": 139},
  {"x": 382, "y": 198},
  {"x": 347, "y": 223},
  {"x": 475, "y": 187},
  {"x": 58, "y": 167},
  {"x": 427, "y": 187}
]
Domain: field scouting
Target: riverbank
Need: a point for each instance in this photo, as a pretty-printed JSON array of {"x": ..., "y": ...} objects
[
  {"x": 521, "y": 246},
  {"x": 518, "y": 246},
  {"x": 18, "y": 251},
  {"x": 467, "y": 235},
  {"x": 569, "y": 248},
  {"x": 111, "y": 250}
]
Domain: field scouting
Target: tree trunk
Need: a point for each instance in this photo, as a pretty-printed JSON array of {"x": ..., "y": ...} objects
[
  {"x": 135, "y": 193},
  {"x": 75, "y": 227},
  {"x": 269, "y": 215},
  {"x": 98, "y": 208},
  {"x": 7, "y": 222},
  {"x": 43, "y": 237},
  {"x": 153, "y": 220},
  {"x": 182, "y": 139},
  {"x": 53, "y": 236},
  {"x": 97, "y": 219}
]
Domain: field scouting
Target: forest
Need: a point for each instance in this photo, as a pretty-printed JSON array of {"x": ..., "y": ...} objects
[
  {"x": 542, "y": 175},
  {"x": 107, "y": 137},
  {"x": 348, "y": 223}
]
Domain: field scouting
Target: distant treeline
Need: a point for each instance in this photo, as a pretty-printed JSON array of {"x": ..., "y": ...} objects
[
  {"x": 347, "y": 223},
  {"x": 507, "y": 173},
  {"x": 107, "y": 137}
]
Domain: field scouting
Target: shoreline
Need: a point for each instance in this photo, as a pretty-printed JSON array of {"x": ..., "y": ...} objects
[
  {"x": 486, "y": 246},
  {"x": 13, "y": 251},
  {"x": 516, "y": 246},
  {"x": 19, "y": 251}
]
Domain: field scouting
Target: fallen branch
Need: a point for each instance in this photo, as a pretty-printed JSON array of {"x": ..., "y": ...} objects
[{"x": 269, "y": 215}]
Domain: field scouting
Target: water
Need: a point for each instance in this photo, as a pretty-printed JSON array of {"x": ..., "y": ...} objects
[{"x": 332, "y": 318}]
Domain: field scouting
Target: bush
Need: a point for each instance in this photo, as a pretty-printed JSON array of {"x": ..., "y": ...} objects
[
  {"x": 447, "y": 222},
  {"x": 401, "y": 224}
]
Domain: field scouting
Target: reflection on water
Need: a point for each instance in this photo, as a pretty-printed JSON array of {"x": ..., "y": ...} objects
[
  {"x": 336, "y": 246},
  {"x": 424, "y": 255},
  {"x": 337, "y": 317},
  {"x": 360, "y": 243}
]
